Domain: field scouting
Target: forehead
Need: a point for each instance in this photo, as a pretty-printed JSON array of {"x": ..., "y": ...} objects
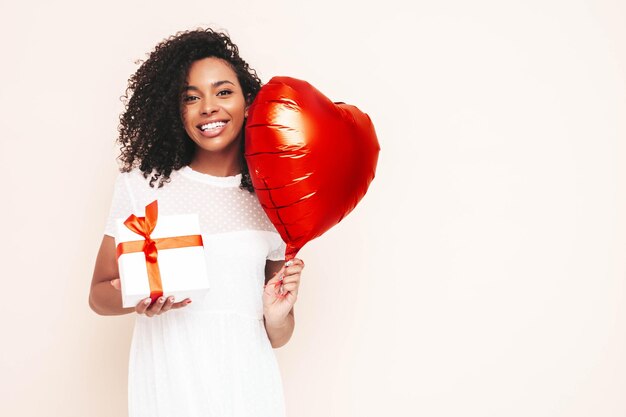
[{"x": 209, "y": 70}]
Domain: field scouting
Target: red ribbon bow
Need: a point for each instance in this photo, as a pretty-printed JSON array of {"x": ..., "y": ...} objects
[{"x": 144, "y": 226}]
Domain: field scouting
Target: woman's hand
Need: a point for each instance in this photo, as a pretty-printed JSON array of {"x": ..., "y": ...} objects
[
  {"x": 276, "y": 307},
  {"x": 160, "y": 306}
]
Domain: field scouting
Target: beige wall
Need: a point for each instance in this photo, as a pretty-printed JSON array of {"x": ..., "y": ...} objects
[{"x": 483, "y": 274}]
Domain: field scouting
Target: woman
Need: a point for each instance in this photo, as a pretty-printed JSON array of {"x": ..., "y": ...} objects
[{"x": 182, "y": 144}]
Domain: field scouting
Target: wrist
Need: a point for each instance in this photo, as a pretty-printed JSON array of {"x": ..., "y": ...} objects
[{"x": 277, "y": 323}]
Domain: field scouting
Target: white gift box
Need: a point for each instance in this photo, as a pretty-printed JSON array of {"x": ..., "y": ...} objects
[{"x": 183, "y": 270}]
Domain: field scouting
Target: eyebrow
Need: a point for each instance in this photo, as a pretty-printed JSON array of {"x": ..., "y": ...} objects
[{"x": 215, "y": 85}]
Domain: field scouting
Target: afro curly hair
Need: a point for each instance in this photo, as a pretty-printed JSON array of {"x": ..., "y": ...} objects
[{"x": 151, "y": 133}]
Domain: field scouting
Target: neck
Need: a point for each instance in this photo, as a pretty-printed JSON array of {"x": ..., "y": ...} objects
[{"x": 216, "y": 164}]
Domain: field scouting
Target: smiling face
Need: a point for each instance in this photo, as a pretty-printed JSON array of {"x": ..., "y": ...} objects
[{"x": 213, "y": 108}]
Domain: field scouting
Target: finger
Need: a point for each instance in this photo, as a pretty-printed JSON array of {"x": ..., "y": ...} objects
[
  {"x": 298, "y": 261},
  {"x": 290, "y": 287},
  {"x": 155, "y": 308},
  {"x": 291, "y": 278},
  {"x": 142, "y": 306},
  {"x": 285, "y": 287},
  {"x": 287, "y": 295},
  {"x": 181, "y": 304},
  {"x": 116, "y": 283},
  {"x": 292, "y": 270},
  {"x": 296, "y": 269},
  {"x": 167, "y": 305}
]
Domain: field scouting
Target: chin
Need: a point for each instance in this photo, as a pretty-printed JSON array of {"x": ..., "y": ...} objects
[{"x": 217, "y": 146}]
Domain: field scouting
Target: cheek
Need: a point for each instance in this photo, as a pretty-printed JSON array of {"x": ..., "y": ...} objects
[{"x": 238, "y": 109}]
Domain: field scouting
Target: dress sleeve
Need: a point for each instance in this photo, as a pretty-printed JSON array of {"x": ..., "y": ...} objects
[
  {"x": 277, "y": 248},
  {"x": 121, "y": 204}
]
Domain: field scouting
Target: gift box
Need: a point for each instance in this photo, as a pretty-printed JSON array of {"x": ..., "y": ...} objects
[{"x": 160, "y": 255}]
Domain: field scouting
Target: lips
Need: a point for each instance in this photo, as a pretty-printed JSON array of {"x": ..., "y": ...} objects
[{"x": 212, "y": 129}]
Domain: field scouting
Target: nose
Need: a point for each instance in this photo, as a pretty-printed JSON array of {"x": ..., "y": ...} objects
[{"x": 209, "y": 106}]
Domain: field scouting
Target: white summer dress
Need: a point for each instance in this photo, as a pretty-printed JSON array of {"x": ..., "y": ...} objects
[{"x": 212, "y": 358}]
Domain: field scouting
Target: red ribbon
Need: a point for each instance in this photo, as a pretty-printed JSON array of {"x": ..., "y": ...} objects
[
  {"x": 277, "y": 290},
  {"x": 144, "y": 226}
]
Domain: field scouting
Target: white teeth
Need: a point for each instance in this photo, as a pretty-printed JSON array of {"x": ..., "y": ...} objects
[{"x": 213, "y": 125}]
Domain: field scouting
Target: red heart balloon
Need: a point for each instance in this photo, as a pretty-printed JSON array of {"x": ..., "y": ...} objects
[{"x": 310, "y": 160}]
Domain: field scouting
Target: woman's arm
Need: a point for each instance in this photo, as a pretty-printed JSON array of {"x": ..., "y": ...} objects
[
  {"x": 279, "y": 334},
  {"x": 104, "y": 298},
  {"x": 278, "y": 311}
]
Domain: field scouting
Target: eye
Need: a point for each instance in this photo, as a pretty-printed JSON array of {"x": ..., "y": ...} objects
[
  {"x": 224, "y": 92},
  {"x": 187, "y": 99}
]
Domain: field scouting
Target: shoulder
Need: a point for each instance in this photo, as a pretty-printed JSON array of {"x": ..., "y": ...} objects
[
  {"x": 132, "y": 174},
  {"x": 257, "y": 210},
  {"x": 137, "y": 179}
]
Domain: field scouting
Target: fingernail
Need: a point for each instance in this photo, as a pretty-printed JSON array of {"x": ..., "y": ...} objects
[
  {"x": 171, "y": 299},
  {"x": 147, "y": 301},
  {"x": 288, "y": 263},
  {"x": 161, "y": 300},
  {"x": 188, "y": 302}
]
